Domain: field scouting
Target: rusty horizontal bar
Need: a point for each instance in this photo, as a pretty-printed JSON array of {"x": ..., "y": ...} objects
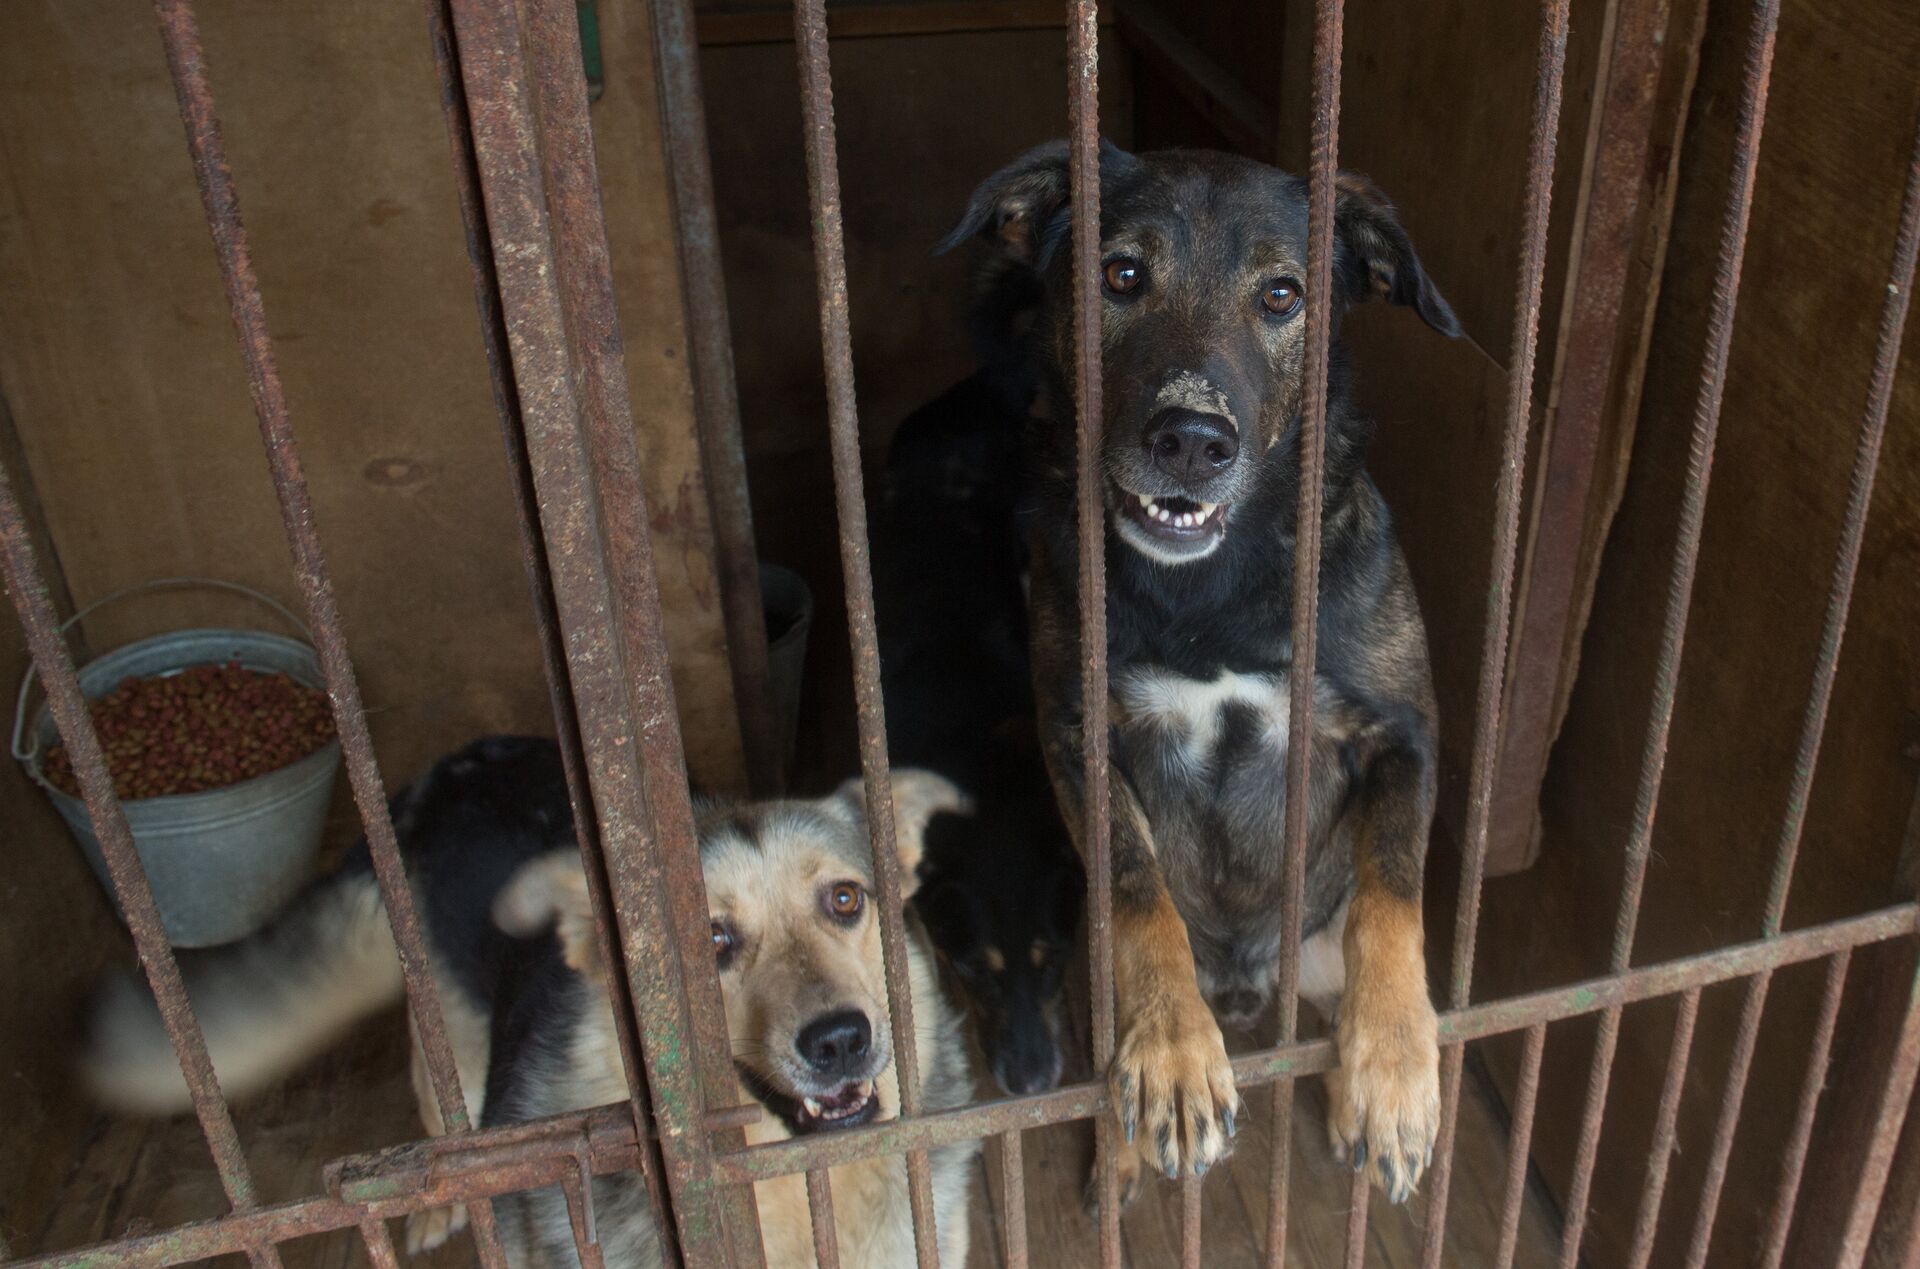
[
  {"x": 397, "y": 1181},
  {"x": 1311, "y": 1057},
  {"x": 855, "y": 20}
]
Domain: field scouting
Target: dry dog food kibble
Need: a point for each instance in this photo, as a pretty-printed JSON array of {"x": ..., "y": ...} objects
[{"x": 204, "y": 728}]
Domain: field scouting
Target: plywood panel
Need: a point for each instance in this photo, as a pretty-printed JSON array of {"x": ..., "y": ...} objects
[{"x": 117, "y": 357}]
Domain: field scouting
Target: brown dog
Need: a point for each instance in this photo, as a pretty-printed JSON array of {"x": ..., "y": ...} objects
[{"x": 1204, "y": 353}]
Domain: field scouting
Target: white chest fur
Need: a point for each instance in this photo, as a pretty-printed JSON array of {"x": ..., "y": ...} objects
[{"x": 1189, "y": 715}]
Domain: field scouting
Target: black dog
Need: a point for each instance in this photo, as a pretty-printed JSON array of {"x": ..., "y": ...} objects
[
  {"x": 1001, "y": 886},
  {"x": 1204, "y": 371}
]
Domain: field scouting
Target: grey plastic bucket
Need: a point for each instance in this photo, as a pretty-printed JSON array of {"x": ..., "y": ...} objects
[
  {"x": 222, "y": 861},
  {"x": 788, "y": 603}
]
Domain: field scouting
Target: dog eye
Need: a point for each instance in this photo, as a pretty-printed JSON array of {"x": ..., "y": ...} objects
[
  {"x": 1281, "y": 297},
  {"x": 1124, "y": 274},
  {"x": 845, "y": 900},
  {"x": 722, "y": 943}
]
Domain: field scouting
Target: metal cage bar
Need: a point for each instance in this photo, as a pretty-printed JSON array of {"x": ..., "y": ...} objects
[
  {"x": 528, "y": 193},
  {"x": 1542, "y": 144},
  {"x": 1013, "y": 1191},
  {"x": 836, "y": 335},
  {"x": 1846, "y": 565},
  {"x": 1726, "y": 291},
  {"x": 1328, "y": 20},
  {"x": 493, "y": 334}
]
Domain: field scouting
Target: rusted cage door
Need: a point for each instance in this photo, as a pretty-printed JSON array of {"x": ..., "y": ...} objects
[{"x": 516, "y": 111}]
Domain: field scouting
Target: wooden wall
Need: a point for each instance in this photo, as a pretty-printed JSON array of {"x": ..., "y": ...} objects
[
  {"x": 1841, "y": 122},
  {"x": 124, "y": 381}
]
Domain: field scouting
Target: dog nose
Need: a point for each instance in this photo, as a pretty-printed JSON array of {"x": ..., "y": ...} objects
[
  {"x": 837, "y": 1043},
  {"x": 1191, "y": 446}
]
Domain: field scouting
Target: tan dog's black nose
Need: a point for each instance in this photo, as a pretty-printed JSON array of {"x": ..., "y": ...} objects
[
  {"x": 836, "y": 1044},
  {"x": 1190, "y": 446}
]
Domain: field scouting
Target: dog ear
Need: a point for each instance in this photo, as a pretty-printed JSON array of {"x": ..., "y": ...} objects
[
  {"x": 551, "y": 892},
  {"x": 1380, "y": 257},
  {"x": 918, "y": 796},
  {"x": 1017, "y": 208}
]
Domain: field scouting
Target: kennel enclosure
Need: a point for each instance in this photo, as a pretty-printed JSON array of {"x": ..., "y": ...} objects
[{"x": 543, "y": 278}]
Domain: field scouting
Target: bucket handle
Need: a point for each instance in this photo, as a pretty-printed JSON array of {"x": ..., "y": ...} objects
[{"x": 27, "y": 755}]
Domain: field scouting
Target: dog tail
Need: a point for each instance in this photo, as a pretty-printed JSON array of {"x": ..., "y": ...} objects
[{"x": 266, "y": 1003}]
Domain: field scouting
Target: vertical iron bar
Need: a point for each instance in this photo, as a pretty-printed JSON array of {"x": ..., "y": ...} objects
[
  {"x": 1846, "y": 565},
  {"x": 1190, "y": 1195},
  {"x": 1660, "y": 1154},
  {"x": 41, "y": 625},
  {"x": 1013, "y": 1194},
  {"x": 716, "y": 397},
  {"x": 1774, "y": 1248},
  {"x": 1359, "y": 1193},
  {"x": 575, "y": 1184},
  {"x": 826, "y": 1239},
  {"x": 493, "y": 335},
  {"x": 548, "y": 246},
  {"x": 1894, "y": 1099},
  {"x": 1083, "y": 111},
  {"x": 1328, "y": 17},
  {"x": 186, "y": 62},
  {"x": 373, "y": 1232},
  {"x": 1726, "y": 291},
  {"x": 1543, "y": 139},
  {"x": 836, "y": 335},
  {"x": 1526, "y": 1095}
]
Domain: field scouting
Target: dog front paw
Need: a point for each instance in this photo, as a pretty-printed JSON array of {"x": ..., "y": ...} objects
[
  {"x": 1383, "y": 1103},
  {"x": 1172, "y": 1086}
]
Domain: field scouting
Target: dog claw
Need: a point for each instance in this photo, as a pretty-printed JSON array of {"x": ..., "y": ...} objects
[
  {"x": 1360, "y": 1154},
  {"x": 1390, "y": 1177},
  {"x": 1226, "y": 1121}
]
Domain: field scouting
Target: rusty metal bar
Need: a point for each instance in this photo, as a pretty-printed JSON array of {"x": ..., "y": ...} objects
[
  {"x": 1311, "y": 1057},
  {"x": 1526, "y": 1096},
  {"x": 493, "y": 334},
  {"x": 1543, "y": 137},
  {"x": 716, "y": 397},
  {"x": 1358, "y": 1193},
  {"x": 1013, "y": 1196},
  {"x": 576, "y": 1183},
  {"x": 826, "y": 1238},
  {"x": 843, "y": 414},
  {"x": 1894, "y": 1099},
  {"x": 1083, "y": 113},
  {"x": 495, "y": 1161},
  {"x": 1660, "y": 1153},
  {"x": 41, "y": 625},
  {"x": 1328, "y": 19},
  {"x": 1726, "y": 292},
  {"x": 379, "y": 1243},
  {"x": 549, "y": 249},
  {"x": 591, "y": 314},
  {"x": 1846, "y": 565},
  {"x": 1190, "y": 1232},
  {"x": 1773, "y": 1248}
]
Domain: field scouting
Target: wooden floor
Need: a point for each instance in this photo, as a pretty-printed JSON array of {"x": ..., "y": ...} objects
[{"x": 136, "y": 1177}]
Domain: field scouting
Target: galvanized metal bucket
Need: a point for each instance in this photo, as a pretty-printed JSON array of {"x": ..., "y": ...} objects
[{"x": 222, "y": 861}]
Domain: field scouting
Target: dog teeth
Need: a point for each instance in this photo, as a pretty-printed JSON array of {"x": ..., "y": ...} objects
[
  {"x": 1207, "y": 509},
  {"x": 813, "y": 1107}
]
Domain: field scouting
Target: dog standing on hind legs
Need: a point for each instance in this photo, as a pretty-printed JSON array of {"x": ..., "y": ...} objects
[{"x": 1203, "y": 354}]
